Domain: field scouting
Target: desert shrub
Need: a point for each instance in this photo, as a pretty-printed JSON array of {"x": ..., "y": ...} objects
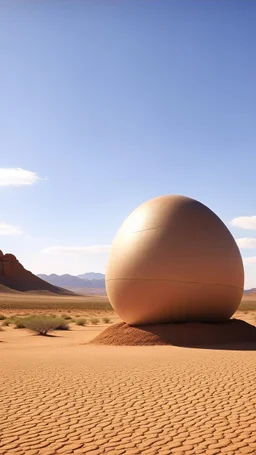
[
  {"x": 7, "y": 322},
  {"x": 81, "y": 321},
  {"x": 66, "y": 316},
  {"x": 95, "y": 321},
  {"x": 19, "y": 324},
  {"x": 2, "y": 317},
  {"x": 106, "y": 320},
  {"x": 44, "y": 324}
]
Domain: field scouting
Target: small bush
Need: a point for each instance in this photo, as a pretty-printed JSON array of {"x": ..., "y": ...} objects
[
  {"x": 81, "y": 321},
  {"x": 2, "y": 317},
  {"x": 66, "y": 316},
  {"x": 106, "y": 320},
  {"x": 7, "y": 322},
  {"x": 19, "y": 324},
  {"x": 44, "y": 324},
  {"x": 95, "y": 321}
]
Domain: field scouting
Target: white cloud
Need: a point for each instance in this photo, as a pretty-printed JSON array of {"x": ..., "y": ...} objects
[
  {"x": 17, "y": 177},
  {"x": 8, "y": 229},
  {"x": 94, "y": 249},
  {"x": 250, "y": 260},
  {"x": 244, "y": 222},
  {"x": 246, "y": 242}
]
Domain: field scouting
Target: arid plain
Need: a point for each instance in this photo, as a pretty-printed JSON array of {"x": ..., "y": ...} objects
[{"x": 62, "y": 395}]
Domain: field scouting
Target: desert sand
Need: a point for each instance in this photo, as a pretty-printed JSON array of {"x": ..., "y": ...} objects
[{"x": 63, "y": 395}]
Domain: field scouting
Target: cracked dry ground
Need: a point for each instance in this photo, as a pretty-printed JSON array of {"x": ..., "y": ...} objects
[{"x": 120, "y": 400}]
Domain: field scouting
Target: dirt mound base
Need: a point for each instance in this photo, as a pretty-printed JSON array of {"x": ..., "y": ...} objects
[{"x": 219, "y": 335}]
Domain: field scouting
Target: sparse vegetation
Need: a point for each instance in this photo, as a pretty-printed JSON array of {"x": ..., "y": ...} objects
[
  {"x": 106, "y": 320},
  {"x": 7, "y": 322},
  {"x": 81, "y": 321},
  {"x": 45, "y": 324},
  {"x": 2, "y": 317},
  {"x": 19, "y": 324},
  {"x": 67, "y": 317},
  {"x": 28, "y": 303},
  {"x": 247, "y": 305},
  {"x": 94, "y": 321}
]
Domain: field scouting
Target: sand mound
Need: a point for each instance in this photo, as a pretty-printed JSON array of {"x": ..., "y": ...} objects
[{"x": 234, "y": 332}]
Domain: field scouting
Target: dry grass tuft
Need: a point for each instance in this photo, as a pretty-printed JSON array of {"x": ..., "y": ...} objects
[
  {"x": 94, "y": 321},
  {"x": 81, "y": 321}
]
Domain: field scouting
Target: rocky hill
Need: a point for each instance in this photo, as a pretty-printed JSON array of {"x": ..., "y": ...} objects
[{"x": 14, "y": 277}]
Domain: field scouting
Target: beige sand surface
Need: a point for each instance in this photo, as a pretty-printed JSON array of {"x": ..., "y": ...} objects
[{"x": 59, "y": 396}]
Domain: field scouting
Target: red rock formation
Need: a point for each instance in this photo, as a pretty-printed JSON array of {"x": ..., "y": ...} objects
[
  {"x": 10, "y": 266},
  {"x": 15, "y": 276}
]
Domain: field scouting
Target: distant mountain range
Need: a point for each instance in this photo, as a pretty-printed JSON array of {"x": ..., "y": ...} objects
[
  {"x": 251, "y": 291},
  {"x": 86, "y": 283}
]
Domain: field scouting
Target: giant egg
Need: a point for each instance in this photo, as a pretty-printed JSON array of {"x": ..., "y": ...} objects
[{"x": 174, "y": 260}]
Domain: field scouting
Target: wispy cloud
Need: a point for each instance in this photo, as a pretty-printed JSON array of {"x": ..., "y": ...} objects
[
  {"x": 9, "y": 229},
  {"x": 246, "y": 242},
  {"x": 94, "y": 249},
  {"x": 17, "y": 177},
  {"x": 250, "y": 260},
  {"x": 244, "y": 222}
]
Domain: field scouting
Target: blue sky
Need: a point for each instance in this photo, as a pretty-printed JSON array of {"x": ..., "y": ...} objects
[{"x": 111, "y": 103}]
